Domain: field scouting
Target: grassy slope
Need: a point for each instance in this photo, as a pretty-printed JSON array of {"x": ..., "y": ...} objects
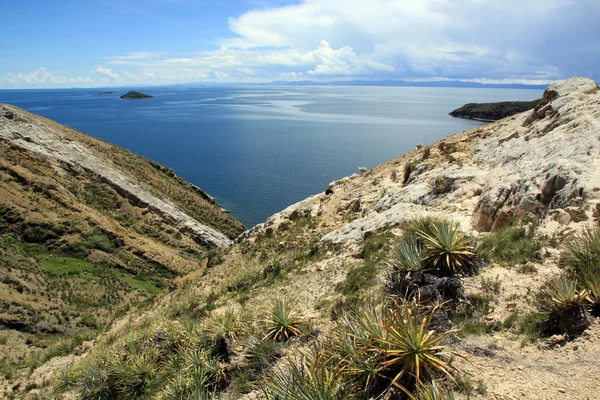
[{"x": 76, "y": 254}]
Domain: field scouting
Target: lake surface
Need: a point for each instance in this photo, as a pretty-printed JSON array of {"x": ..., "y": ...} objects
[{"x": 260, "y": 149}]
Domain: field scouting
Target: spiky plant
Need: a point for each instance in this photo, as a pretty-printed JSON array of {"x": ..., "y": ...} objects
[
  {"x": 228, "y": 324},
  {"x": 408, "y": 255},
  {"x": 66, "y": 378},
  {"x": 592, "y": 284},
  {"x": 135, "y": 375},
  {"x": 95, "y": 384},
  {"x": 260, "y": 353},
  {"x": 447, "y": 249},
  {"x": 284, "y": 322},
  {"x": 353, "y": 331},
  {"x": 582, "y": 252},
  {"x": 561, "y": 293},
  {"x": 309, "y": 377},
  {"x": 434, "y": 391},
  {"x": 409, "y": 352}
]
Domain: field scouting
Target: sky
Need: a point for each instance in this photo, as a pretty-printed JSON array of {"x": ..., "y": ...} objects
[{"x": 104, "y": 43}]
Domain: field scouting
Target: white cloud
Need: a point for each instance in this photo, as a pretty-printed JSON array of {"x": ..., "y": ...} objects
[
  {"x": 41, "y": 78},
  {"x": 106, "y": 72},
  {"x": 453, "y": 38},
  {"x": 533, "y": 41},
  {"x": 138, "y": 55}
]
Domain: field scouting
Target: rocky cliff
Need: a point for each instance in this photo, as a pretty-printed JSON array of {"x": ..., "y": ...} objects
[{"x": 333, "y": 251}]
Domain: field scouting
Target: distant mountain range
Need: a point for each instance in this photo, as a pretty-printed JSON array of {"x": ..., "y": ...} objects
[
  {"x": 409, "y": 83},
  {"x": 454, "y": 83}
]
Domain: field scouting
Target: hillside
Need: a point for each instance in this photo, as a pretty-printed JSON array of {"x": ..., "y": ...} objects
[
  {"x": 88, "y": 229},
  {"x": 358, "y": 265},
  {"x": 493, "y": 111}
]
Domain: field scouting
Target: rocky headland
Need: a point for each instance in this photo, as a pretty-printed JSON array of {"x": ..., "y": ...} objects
[{"x": 490, "y": 112}]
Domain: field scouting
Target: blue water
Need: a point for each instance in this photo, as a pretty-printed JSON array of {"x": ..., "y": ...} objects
[{"x": 260, "y": 149}]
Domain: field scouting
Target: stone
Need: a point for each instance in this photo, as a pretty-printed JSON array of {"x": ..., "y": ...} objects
[
  {"x": 561, "y": 216},
  {"x": 577, "y": 214}
]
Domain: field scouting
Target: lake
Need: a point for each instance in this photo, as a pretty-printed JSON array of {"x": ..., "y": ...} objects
[{"x": 260, "y": 149}]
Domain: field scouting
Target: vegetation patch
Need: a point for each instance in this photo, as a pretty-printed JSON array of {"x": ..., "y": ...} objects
[
  {"x": 138, "y": 283},
  {"x": 64, "y": 265},
  {"x": 514, "y": 244}
]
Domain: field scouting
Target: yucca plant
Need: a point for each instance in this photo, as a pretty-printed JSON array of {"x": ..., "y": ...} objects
[
  {"x": 228, "y": 324},
  {"x": 434, "y": 391},
  {"x": 284, "y": 322},
  {"x": 447, "y": 249},
  {"x": 409, "y": 255},
  {"x": 354, "y": 331},
  {"x": 95, "y": 384},
  {"x": 66, "y": 378},
  {"x": 565, "y": 305},
  {"x": 409, "y": 352},
  {"x": 260, "y": 353},
  {"x": 582, "y": 252},
  {"x": 309, "y": 377},
  {"x": 561, "y": 293},
  {"x": 135, "y": 375}
]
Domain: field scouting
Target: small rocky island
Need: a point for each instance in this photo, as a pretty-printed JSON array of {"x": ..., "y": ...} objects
[
  {"x": 493, "y": 111},
  {"x": 136, "y": 95},
  {"x": 105, "y": 92}
]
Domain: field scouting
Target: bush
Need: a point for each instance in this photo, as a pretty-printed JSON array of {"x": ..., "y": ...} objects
[{"x": 513, "y": 244}]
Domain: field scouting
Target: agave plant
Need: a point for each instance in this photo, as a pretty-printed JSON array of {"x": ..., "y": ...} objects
[
  {"x": 228, "y": 324},
  {"x": 408, "y": 255},
  {"x": 135, "y": 375},
  {"x": 561, "y": 293},
  {"x": 284, "y": 322},
  {"x": 309, "y": 377},
  {"x": 592, "y": 284},
  {"x": 409, "y": 351},
  {"x": 447, "y": 249},
  {"x": 582, "y": 252},
  {"x": 434, "y": 391},
  {"x": 354, "y": 331}
]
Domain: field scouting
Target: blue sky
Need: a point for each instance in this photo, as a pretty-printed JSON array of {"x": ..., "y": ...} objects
[{"x": 94, "y": 43}]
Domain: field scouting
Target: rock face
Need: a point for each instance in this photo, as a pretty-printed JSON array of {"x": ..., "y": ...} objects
[
  {"x": 37, "y": 137},
  {"x": 551, "y": 162},
  {"x": 136, "y": 95},
  {"x": 493, "y": 111}
]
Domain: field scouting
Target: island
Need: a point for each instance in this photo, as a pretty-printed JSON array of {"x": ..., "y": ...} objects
[
  {"x": 493, "y": 111},
  {"x": 136, "y": 95},
  {"x": 105, "y": 92}
]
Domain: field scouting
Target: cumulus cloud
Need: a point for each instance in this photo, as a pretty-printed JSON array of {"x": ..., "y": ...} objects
[
  {"x": 533, "y": 41},
  {"x": 456, "y": 39},
  {"x": 138, "y": 55},
  {"x": 40, "y": 77},
  {"x": 106, "y": 72}
]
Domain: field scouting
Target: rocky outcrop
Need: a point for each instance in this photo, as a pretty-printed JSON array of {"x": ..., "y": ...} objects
[
  {"x": 34, "y": 135},
  {"x": 493, "y": 111},
  {"x": 551, "y": 163}
]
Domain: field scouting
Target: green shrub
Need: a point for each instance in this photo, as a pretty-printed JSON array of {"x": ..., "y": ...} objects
[{"x": 513, "y": 244}]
